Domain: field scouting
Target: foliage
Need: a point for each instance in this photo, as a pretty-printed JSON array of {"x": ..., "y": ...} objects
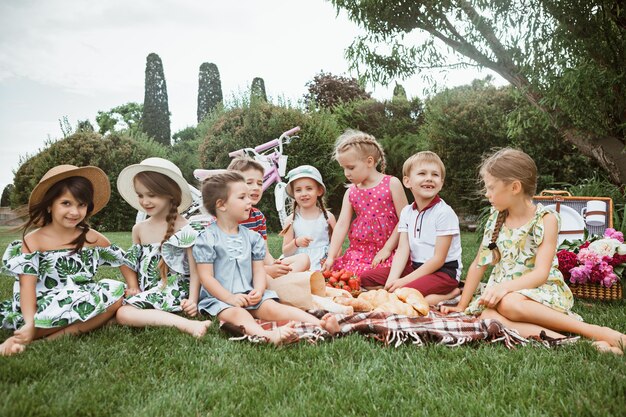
[
  {"x": 184, "y": 135},
  {"x": 327, "y": 91},
  {"x": 209, "y": 90},
  {"x": 5, "y": 200},
  {"x": 258, "y": 122},
  {"x": 477, "y": 118},
  {"x": 126, "y": 117},
  {"x": 111, "y": 153},
  {"x": 257, "y": 90},
  {"x": 600, "y": 186},
  {"x": 399, "y": 92},
  {"x": 565, "y": 57},
  {"x": 155, "y": 121}
]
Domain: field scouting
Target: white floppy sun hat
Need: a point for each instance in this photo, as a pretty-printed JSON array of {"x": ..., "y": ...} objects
[
  {"x": 126, "y": 185},
  {"x": 304, "y": 171}
]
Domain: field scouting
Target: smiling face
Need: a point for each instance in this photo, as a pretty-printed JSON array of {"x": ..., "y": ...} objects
[
  {"x": 238, "y": 203},
  {"x": 254, "y": 181},
  {"x": 153, "y": 204},
  {"x": 306, "y": 191},
  {"x": 425, "y": 180},
  {"x": 67, "y": 211},
  {"x": 355, "y": 167}
]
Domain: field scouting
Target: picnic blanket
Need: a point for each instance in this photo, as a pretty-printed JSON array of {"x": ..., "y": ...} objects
[{"x": 395, "y": 330}]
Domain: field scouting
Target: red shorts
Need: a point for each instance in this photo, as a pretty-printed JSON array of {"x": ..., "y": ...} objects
[{"x": 435, "y": 283}]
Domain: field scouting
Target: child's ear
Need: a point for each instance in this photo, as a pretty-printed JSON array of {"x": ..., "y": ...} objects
[
  {"x": 516, "y": 187},
  {"x": 406, "y": 181},
  {"x": 219, "y": 205}
]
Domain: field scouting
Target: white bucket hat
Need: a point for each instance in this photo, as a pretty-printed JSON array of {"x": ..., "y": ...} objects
[
  {"x": 304, "y": 171},
  {"x": 126, "y": 186}
]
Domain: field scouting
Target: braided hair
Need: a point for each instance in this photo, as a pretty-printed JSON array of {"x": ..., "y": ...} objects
[
  {"x": 493, "y": 246},
  {"x": 364, "y": 143}
]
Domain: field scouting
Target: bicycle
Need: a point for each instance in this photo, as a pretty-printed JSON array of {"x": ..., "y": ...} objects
[{"x": 270, "y": 155}]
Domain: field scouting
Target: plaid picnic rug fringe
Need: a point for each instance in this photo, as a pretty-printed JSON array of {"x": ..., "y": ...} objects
[{"x": 395, "y": 330}]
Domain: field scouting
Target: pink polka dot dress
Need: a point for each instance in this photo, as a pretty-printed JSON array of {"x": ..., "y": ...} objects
[{"x": 375, "y": 221}]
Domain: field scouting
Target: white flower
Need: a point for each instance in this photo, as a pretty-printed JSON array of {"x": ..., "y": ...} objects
[
  {"x": 621, "y": 250},
  {"x": 605, "y": 247}
]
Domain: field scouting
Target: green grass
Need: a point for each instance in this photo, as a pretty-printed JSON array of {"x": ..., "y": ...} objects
[{"x": 160, "y": 372}]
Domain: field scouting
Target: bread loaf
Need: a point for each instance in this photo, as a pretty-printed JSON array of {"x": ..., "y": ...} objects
[
  {"x": 356, "y": 303},
  {"x": 414, "y": 298}
]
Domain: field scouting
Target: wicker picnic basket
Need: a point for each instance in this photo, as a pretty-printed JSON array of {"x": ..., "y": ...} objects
[{"x": 560, "y": 199}]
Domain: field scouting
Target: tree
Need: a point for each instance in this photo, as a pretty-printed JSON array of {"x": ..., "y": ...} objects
[
  {"x": 5, "y": 201},
  {"x": 126, "y": 117},
  {"x": 209, "y": 90},
  {"x": 156, "y": 115},
  {"x": 399, "y": 93},
  {"x": 566, "y": 57},
  {"x": 327, "y": 90},
  {"x": 257, "y": 90}
]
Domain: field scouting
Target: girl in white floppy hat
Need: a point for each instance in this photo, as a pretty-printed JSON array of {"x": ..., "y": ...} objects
[
  {"x": 309, "y": 225},
  {"x": 164, "y": 281},
  {"x": 55, "y": 293}
]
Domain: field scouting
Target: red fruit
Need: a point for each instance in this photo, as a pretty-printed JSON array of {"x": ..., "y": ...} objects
[
  {"x": 354, "y": 284},
  {"x": 327, "y": 273},
  {"x": 332, "y": 280},
  {"x": 328, "y": 284},
  {"x": 345, "y": 276}
]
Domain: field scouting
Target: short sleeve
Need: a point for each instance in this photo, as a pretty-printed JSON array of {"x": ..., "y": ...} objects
[
  {"x": 204, "y": 249},
  {"x": 258, "y": 247},
  {"x": 263, "y": 226},
  {"x": 485, "y": 255},
  {"x": 110, "y": 255},
  {"x": 15, "y": 263},
  {"x": 132, "y": 258},
  {"x": 538, "y": 229},
  {"x": 447, "y": 223},
  {"x": 174, "y": 250},
  {"x": 403, "y": 223}
]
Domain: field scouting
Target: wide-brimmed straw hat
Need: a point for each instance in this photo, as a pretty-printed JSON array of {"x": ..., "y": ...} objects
[
  {"x": 96, "y": 176},
  {"x": 304, "y": 171},
  {"x": 126, "y": 185}
]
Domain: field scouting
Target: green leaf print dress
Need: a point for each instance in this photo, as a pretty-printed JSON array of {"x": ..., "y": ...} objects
[
  {"x": 66, "y": 290},
  {"x": 144, "y": 259},
  {"x": 518, "y": 249}
]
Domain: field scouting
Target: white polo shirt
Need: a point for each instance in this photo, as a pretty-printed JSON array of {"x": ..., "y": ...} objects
[{"x": 423, "y": 227}]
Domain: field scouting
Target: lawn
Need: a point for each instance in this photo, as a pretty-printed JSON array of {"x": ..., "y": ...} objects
[{"x": 160, "y": 372}]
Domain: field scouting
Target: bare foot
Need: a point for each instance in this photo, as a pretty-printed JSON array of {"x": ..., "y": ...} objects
[
  {"x": 197, "y": 328},
  {"x": 434, "y": 299},
  {"x": 603, "y": 346},
  {"x": 11, "y": 347},
  {"x": 282, "y": 335},
  {"x": 330, "y": 324}
]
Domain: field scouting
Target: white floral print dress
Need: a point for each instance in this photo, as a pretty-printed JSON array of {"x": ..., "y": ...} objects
[
  {"x": 66, "y": 289},
  {"x": 518, "y": 249},
  {"x": 144, "y": 260}
]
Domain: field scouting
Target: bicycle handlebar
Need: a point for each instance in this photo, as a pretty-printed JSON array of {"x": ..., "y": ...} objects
[
  {"x": 267, "y": 145},
  {"x": 291, "y": 131},
  {"x": 235, "y": 153}
]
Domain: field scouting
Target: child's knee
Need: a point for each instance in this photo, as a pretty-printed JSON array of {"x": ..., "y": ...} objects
[
  {"x": 511, "y": 307},
  {"x": 123, "y": 314}
]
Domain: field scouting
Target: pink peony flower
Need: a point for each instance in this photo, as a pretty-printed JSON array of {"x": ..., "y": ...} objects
[
  {"x": 611, "y": 233},
  {"x": 604, "y": 247}
]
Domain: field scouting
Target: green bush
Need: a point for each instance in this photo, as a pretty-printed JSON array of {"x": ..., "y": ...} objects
[
  {"x": 257, "y": 122},
  {"x": 110, "y": 153}
]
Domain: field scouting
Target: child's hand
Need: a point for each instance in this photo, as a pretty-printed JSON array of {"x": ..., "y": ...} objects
[
  {"x": 399, "y": 283},
  {"x": 129, "y": 292},
  {"x": 255, "y": 296},
  {"x": 25, "y": 334},
  {"x": 278, "y": 269},
  {"x": 303, "y": 241},
  {"x": 238, "y": 300},
  {"x": 328, "y": 263},
  {"x": 451, "y": 309},
  {"x": 380, "y": 257},
  {"x": 492, "y": 295},
  {"x": 189, "y": 307}
]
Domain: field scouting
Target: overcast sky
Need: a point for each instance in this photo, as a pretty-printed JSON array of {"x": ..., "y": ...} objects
[{"x": 73, "y": 57}]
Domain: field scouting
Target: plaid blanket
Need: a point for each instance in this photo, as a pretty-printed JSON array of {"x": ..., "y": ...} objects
[{"x": 395, "y": 330}]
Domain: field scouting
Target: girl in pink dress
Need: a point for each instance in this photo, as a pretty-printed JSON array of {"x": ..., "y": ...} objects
[{"x": 376, "y": 199}]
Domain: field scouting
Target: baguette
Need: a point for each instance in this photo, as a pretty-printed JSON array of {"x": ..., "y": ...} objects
[
  {"x": 356, "y": 303},
  {"x": 414, "y": 298},
  {"x": 329, "y": 305}
]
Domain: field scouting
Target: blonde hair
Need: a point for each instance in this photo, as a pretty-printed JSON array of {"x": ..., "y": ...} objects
[
  {"x": 508, "y": 165},
  {"x": 424, "y": 157},
  {"x": 217, "y": 187},
  {"x": 245, "y": 163},
  {"x": 162, "y": 185},
  {"x": 365, "y": 144}
]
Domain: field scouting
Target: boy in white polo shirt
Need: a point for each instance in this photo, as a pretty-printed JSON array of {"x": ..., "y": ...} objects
[{"x": 428, "y": 257}]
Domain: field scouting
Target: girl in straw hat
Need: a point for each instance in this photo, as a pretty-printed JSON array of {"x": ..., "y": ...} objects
[
  {"x": 55, "y": 292},
  {"x": 164, "y": 281}
]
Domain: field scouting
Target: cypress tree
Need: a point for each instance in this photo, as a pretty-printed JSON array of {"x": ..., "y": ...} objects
[
  {"x": 5, "y": 200},
  {"x": 257, "y": 90},
  {"x": 209, "y": 89},
  {"x": 156, "y": 113},
  {"x": 399, "y": 92}
]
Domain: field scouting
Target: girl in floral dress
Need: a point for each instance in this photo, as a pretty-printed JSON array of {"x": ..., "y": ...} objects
[
  {"x": 375, "y": 198},
  {"x": 55, "y": 293},
  {"x": 526, "y": 290},
  {"x": 164, "y": 281}
]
